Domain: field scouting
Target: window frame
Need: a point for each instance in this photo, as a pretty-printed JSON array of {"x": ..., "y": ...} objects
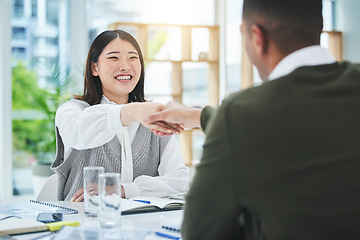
[{"x": 5, "y": 103}]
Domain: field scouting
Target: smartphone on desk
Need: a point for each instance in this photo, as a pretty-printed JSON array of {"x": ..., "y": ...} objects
[{"x": 49, "y": 217}]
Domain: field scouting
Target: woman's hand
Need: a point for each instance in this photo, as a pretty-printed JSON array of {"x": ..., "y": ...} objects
[
  {"x": 136, "y": 112},
  {"x": 79, "y": 195}
]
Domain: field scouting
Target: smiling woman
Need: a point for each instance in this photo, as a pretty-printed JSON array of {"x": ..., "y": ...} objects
[
  {"x": 104, "y": 127},
  {"x": 119, "y": 69}
]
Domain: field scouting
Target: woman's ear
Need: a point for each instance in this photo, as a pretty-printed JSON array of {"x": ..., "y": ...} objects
[{"x": 94, "y": 69}]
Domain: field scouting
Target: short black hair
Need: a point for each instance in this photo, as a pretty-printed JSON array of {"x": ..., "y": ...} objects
[{"x": 291, "y": 24}]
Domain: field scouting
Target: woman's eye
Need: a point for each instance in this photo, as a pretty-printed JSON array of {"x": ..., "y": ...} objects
[
  {"x": 134, "y": 57},
  {"x": 113, "y": 58}
]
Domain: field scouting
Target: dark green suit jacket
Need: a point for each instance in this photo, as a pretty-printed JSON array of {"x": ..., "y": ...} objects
[{"x": 281, "y": 161}]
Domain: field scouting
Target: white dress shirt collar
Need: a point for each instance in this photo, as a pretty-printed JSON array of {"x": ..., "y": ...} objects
[
  {"x": 106, "y": 100},
  {"x": 308, "y": 56}
]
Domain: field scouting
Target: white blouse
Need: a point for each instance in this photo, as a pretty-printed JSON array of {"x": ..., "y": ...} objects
[{"x": 98, "y": 124}]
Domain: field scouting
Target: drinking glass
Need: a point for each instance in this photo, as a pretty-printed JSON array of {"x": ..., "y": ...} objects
[
  {"x": 110, "y": 200},
  {"x": 91, "y": 198}
]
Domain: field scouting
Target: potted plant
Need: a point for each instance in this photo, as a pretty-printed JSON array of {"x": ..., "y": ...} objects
[
  {"x": 34, "y": 121},
  {"x": 49, "y": 103}
]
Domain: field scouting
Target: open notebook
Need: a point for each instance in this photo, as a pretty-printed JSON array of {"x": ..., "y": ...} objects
[{"x": 149, "y": 204}]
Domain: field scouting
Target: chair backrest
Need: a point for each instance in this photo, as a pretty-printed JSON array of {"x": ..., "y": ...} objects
[{"x": 49, "y": 190}]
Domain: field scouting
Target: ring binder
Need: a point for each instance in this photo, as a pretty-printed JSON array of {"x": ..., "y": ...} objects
[
  {"x": 66, "y": 209},
  {"x": 47, "y": 235}
]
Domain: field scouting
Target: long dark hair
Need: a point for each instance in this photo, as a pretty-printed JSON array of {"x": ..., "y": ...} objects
[{"x": 92, "y": 84}]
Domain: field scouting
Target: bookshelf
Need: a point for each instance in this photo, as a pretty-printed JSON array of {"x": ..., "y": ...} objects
[{"x": 183, "y": 53}]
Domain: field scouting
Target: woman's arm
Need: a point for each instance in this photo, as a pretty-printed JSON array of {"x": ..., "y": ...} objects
[
  {"x": 82, "y": 126},
  {"x": 93, "y": 126}
]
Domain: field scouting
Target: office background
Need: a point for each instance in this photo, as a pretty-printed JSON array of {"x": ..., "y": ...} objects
[{"x": 44, "y": 43}]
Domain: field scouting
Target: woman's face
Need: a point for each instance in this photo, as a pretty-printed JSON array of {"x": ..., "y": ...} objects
[{"x": 119, "y": 70}]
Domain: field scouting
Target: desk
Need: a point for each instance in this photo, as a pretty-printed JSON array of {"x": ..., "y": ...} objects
[{"x": 136, "y": 222}]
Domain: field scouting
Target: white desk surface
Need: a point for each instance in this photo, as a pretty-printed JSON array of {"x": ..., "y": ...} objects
[{"x": 136, "y": 222}]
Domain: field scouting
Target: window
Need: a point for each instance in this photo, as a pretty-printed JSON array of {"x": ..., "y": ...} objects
[
  {"x": 19, "y": 52},
  {"x": 36, "y": 71},
  {"x": 34, "y": 8},
  {"x": 18, "y": 8},
  {"x": 19, "y": 33}
]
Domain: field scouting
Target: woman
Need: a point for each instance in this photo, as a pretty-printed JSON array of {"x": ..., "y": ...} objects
[{"x": 104, "y": 127}]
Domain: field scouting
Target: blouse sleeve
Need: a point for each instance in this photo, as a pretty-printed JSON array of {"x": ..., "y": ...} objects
[
  {"x": 88, "y": 127},
  {"x": 173, "y": 176}
]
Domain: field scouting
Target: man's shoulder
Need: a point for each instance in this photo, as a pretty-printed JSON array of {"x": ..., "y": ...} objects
[{"x": 253, "y": 95}]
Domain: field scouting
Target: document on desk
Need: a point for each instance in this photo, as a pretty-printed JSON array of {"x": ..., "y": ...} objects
[
  {"x": 14, "y": 225},
  {"x": 32, "y": 208},
  {"x": 149, "y": 204}
]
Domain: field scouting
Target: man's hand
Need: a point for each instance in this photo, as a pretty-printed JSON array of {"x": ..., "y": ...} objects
[{"x": 176, "y": 113}]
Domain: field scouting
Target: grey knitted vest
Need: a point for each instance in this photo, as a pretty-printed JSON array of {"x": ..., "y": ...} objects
[{"x": 146, "y": 147}]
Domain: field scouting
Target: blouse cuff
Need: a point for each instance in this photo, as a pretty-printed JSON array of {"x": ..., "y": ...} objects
[
  {"x": 131, "y": 190},
  {"x": 114, "y": 119}
]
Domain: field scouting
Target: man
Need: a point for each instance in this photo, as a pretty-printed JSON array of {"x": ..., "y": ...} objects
[{"x": 281, "y": 160}]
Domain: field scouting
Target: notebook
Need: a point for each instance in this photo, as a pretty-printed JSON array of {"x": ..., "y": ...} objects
[
  {"x": 32, "y": 208},
  {"x": 149, "y": 204},
  {"x": 14, "y": 225}
]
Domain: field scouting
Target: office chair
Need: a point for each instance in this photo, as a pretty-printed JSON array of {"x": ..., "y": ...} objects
[{"x": 49, "y": 190}]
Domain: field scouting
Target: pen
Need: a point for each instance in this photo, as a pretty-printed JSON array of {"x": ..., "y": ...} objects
[
  {"x": 167, "y": 236},
  {"x": 143, "y": 201}
]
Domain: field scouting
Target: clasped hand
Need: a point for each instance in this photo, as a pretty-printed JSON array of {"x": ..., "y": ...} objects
[
  {"x": 174, "y": 115},
  {"x": 141, "y": 111}
]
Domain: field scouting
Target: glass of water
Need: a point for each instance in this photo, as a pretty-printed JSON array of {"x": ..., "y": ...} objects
[
  {"x": 110, "y": 200},
  {"x": 91, "y": 196}
]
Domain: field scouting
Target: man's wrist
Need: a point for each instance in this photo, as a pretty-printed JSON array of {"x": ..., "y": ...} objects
[{"x": 195, "y": 115}]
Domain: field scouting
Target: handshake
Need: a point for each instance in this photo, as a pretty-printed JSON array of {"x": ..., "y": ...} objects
[{"x": 162, "y": 120}]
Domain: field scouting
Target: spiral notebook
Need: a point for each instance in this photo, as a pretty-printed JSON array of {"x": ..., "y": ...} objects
[
  {"x": 32, "y": 208},
  {"x": 146, "y": 204}
]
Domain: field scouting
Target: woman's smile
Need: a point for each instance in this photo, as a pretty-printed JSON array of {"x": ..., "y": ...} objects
[{"x": 124, "y": 78}]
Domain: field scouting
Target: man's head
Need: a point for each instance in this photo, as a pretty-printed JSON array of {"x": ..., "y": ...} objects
[{"x": 287, "y": 24}]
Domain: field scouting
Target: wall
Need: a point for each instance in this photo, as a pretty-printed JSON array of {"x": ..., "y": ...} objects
[{"x": 347, "y": 21}]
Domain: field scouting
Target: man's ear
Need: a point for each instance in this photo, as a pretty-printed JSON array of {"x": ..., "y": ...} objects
[
  {"x": 94, "y": 69},
  {"x": 260, "y": 39}
]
